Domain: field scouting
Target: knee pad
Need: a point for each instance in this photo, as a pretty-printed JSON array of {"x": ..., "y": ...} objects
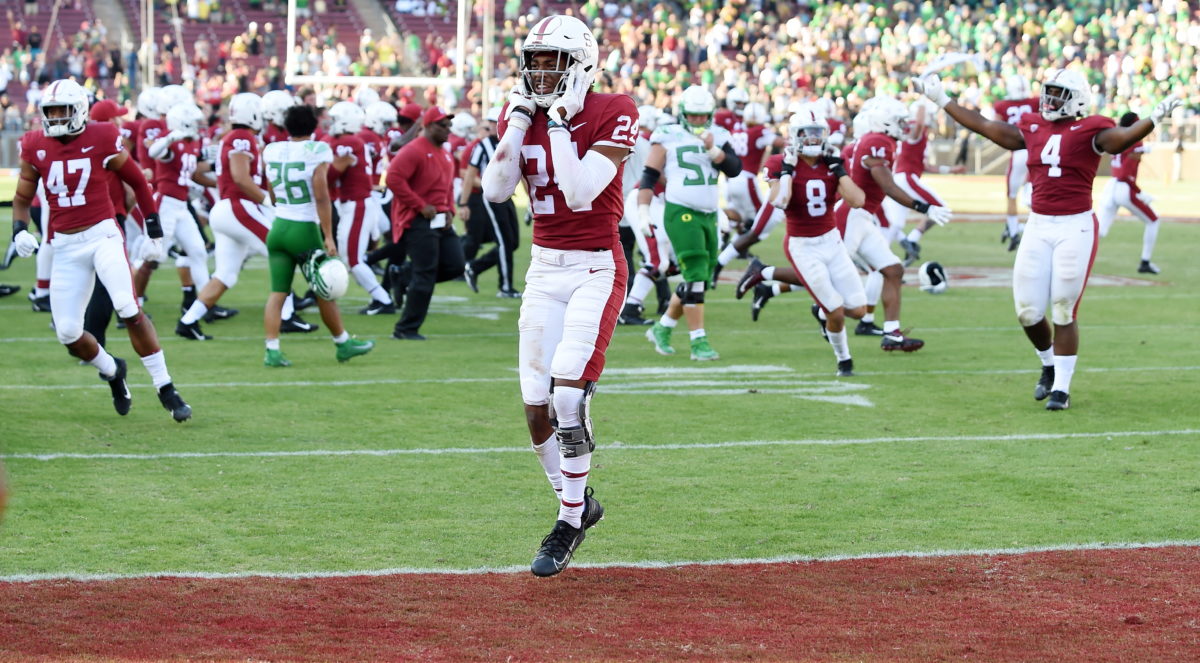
[
  {"x": 229, "y": 278},
  {"x": 692, "y": 293},
  {"x": 68, "y": 331},
  {"x": 1029, "y": 316},
  {"x": 578, "y": 441},
  {"x": 571, "y": 358},
  {"x": 1062, "y": 311}
]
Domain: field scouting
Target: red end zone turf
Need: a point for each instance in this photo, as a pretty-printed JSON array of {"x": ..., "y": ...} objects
[{"x": 1105, "y": 605}]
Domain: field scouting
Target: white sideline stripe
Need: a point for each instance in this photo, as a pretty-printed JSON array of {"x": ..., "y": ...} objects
[
  {"x": 612, "y": 446},
  {"x": 650, "y": 372},
  {"x": 737, "y": 561}
]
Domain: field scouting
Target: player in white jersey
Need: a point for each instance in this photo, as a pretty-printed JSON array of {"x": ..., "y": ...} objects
[
  {"x": 690, "y": 154},
  {"x": 298, "y": 169},
  {"x": 652, "y": 242}
]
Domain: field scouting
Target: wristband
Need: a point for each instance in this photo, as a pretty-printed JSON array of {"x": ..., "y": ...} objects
[
  {"x": 19, "y": 226},
  {"x": 787, "y": 169},
  {"x": 553, "y": 124},
  {"x": 153, "y": 227},
  {"x": 919, "y": 206},
  {"x": 523, "y": 110},
  {"x": 839, "y": 171},
  {"x": 714, "y": 152}
]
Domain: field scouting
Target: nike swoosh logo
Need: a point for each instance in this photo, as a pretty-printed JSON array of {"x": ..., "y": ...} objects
[
  {"x": 1076, "y": 127},
  {"x": 85, "y": 150},
  {"x": 593, "y": 271},
  {"x": 576, "y": 126}
]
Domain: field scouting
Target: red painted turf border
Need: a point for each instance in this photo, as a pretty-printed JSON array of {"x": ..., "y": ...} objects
[{"x": 1101, "y": 605}]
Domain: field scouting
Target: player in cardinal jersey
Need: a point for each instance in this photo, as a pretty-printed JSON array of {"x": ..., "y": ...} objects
[
  {"x": 352, "y": 172},
  {"x": 75, "y": 159},
  {"x": 380, "y": 117},
  {"x": 691, "y": 155},
  {"x": 274, "y": 104},
  {"x": 1019, "y": 101},
  {"x": 569, "y": 144},
  {"x": 1122, "y": 191},
  {"x": 1055, "y": 257}
]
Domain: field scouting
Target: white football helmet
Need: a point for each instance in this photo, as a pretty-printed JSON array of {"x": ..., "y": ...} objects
[
  {"x": 807, "y": 132},
  {"x": 697, "y": 100},
  {"x": 462, "y": 125},
  {"x": 346, "y": 118},
  {"x": 1065, "y": 93},
  {"x": 888, "y": 116},
  {"x": 365, "y": 96},
  {"x": 1017, "y": 87},
  {"x": 147, "y": 103},
  {"x": 571, "y": 40},
  {"x": 755, "y": 113},
  {"x": 861, "y": 125},
  {"x": 493, "y": 114},
  {"x": 933, "y": 278},
  {"x": 274, "y": 104},
  {"x": 246, "y": 108},
  {"x": 70, "y": 94},
  {"x": 326, "y": 274},
  {"x": 185, "y": 119},
  {"x": 736, "y": 100},
  {"x": 648, "y": 116},
  {"x": 171, "y": 96},
  {"x": 380, "y": 116}
]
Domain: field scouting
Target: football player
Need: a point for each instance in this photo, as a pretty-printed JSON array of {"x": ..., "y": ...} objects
[
  {"x": 1018, "y": 102},
  {"x": 1122, "y": 191},
  {"x": 1060, "y": 238},
  {"x": 274, "y": 104},
  {"x": 74, "y": 160},
  {"x": 569, "y": 145},
  {"x": 298, "y": 169},
  {"x": 691, "y": 154},
  {"x": 652, "y": 242}
]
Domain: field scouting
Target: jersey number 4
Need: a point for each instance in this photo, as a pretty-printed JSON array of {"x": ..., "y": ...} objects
[
  {"x": 56, "y": 182},
  {"x": 543, "y": 202},
  {"x": 1051, "y": 155}
]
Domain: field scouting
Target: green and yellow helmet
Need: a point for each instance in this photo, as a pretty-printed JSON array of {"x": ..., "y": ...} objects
[{"x": 697, "y": 100}]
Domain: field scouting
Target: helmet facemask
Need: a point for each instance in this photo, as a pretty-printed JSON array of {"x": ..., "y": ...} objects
[
  {"x": 538, "y": 82},
  {"x": 1054, "y": 101},
  {"x": 810, "y": 140},
  {"x": 697, "y": 129},
  {"x": 64, "y": 125}
]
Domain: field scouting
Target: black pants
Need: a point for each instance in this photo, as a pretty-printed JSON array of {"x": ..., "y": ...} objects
[
  {"x": 98, "y": 313},
  {"x": 492, "y": 222},
  {"x": 628, "y": 242},
  {"x": 436, "y": 256}
]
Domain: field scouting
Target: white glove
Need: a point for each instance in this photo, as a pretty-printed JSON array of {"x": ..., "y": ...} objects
[
  {"x": 152, "y": 249},
  {"x": 931, "y": 86},
  {"x": 26, "y": 243},
  {"x": 1163, "y": 109},
  {"x": 519, "y": 98},
  {"x": 645, "y": 223},
  {"x": 791, "y": 156},
  {"x": 571, "y": 101},
  {"x": 939, "y": 215},
  {"x": 785, "y": 192},
  {"x": 176, "y": 135}
]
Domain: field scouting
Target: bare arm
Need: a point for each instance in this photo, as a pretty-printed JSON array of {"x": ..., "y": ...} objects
[
  {"x": 851, "y": 192},
  {"x": 239, "y": 170},
  {"x": 321, "y": 198},
  {"x": 1001, "y": 133},
  {"x": 655, "y": 160},
  {"x": 204, "y": 175},
  {"x": 1116, "y": 140},
  {"x": 26, "y": 190},
  {"x": 883, "y": 177}
]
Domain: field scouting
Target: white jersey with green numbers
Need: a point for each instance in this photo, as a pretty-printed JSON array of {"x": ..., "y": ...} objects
[
  {"x": 290, "y": 166},
  {"x": 691, "y": 175}
]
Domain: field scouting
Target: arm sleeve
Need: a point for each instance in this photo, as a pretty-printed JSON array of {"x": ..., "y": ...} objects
[
  {"x": 504, "y": 171},
  {"x": 399, "y": 170},
  {"x": 731, "y": 165},
  {"x": 580, "y": 180},
  {"x": 132, "y": 175}
]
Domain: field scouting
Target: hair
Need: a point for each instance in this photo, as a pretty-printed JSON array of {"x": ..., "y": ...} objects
[
  {"x": 1128, "y": 119},
  {"x": 300, "y": 120}
]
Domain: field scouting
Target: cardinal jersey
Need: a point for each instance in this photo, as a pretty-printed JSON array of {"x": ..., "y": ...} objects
[
  {"x": 605, "y": 120},
  {"x": 691, "y": 175},
  {"x": 758, "y": 138},
  {"x": 1062, "y": 161},
  {"x": 149, "y": 131},
  {"x": 456, "y": 144},
  {"x": 1125, "y": 169},
  {"x": 171, "y": 177},
  {"x": 238, "y": 141},
  {"x": 290, "y": 167},
  {"x": 911, "y": 159},
  {"x": 129, "y": 131},
  {"x": 814, "y": 190},
  {"x": 274, "y": 134},
  {"x": 1011, "y": 110},
  {"x": 76, "y": 183},
  {"x": 872, "y": 145},
  {"x": 354, "y": 183},
  {"x": 376, "y": 147}
]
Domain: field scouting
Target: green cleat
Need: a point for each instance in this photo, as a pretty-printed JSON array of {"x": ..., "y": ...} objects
[
  {"x": 353, "y": 348},
  {"x": 702, "y": 351},
  {"x": 275, "y": 358},
  {"x": 660, "y": 336}
]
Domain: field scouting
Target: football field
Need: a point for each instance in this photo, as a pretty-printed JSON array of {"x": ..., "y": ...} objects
[{"x": 413, "y": 462}]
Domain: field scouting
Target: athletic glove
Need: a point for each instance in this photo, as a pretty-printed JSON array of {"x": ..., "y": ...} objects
[
  {"x": 1163, "y": 109},
  {"x": 936, "y": 213},
  {"x": 645, "y": 223},
  {"x": 520, "y": 107},
  {"x": 26, "y": 243},
  {"x": 836, "y": 165},
  {"x": 931, "y": 86},
  {"x": 790, "y": 158},
  {"x": 152, "y": 249},
  {"x": 571, "y": 102}
]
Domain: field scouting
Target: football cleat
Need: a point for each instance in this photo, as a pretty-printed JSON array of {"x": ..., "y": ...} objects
[
  {"x": 631, "y": 314},
  {"x": 702, "y": 351},
  {"x": 592, "y": 511},
  {"x": 377, "y": 307},
  {"x": 912, "y": 251},
  {"x": 816, "y": 313},
  {"x": 660, "y": 336},
  {"x": 353, "y": 348},
  {"x": 9, "y": 256},
  {"x": 1059, "y": 400},
  {"x": 762, "y": 294},
  {"x": 557, "y": 549},
  {"x": 845, "y": 368},
  {"x": 1004, "y": 234},
  {"x": 297, "y": 325},
  {"x": 867, "y": 329},
  {"x": 173, "y": 402},
  {"x": 1044, "y": 384},
  {"x": 898, "y": 341},
  {"x": 41, "y": 304},
  {"x": 6, "y": 290},
  {"x": 275, "y": 359},
  {"x": 309, "y": 300},
  {"x": 407, "y": 336},
  {"x": 750, "y": 279},
  {"x": 1014, "y": 242},
  {"x": 471, "y": 277},
  {"x": 191, "y": 332},
  {"x": 1147, "y": 267},
  {"x": 220, "y": 313},
  {"x": 122, "y": 399},
  {"x": 508, "y": 294}
]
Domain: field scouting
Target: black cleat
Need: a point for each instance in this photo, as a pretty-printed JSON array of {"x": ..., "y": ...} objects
[
  {"x": 6, "y": 290},
  {"x": 631, "y": 314},
  {"x": 898, "y": 341},
  {"x": 9, "y": 256},
  {"x": 750, "y": 279},
  {"x": 377, "y": 307},
  {"x": 122, "y": 399},
  {"x": 471, "y": 277},
  {"x": 191, "y": 332},
  {"x": 173, "y": 402},
  {"x": 1014, "y": 242},
  {"x": 762, "y": 295},
  {"x": 816, "y": 313},
  {"x": 1059, "y": 400},
  {"x": 1004, "y": 236},
  {"x": 510, "y": 293},
  {"x": 912, "y": 251},
  {"x": 845, "y": 368},
  {"x": 309, "y": 300},
  {"x": 1147, "y": 267},
  {"x": 592, "y": 511},
  {"x": 297, "y": 325},
  {"x": 41, "y": 304},
  {"x": 1044, "y": 384},
  {"x": 407, "y": 336},
  {"x": 221, "y": 313},
  {"x": 867, "y": 329},
  {"x": 557, "y": 548}
]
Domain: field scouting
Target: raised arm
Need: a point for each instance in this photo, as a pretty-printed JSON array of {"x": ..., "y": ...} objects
[
  {"x": 1116, "y": 140},
  {"x": 1001, "y": 133}
]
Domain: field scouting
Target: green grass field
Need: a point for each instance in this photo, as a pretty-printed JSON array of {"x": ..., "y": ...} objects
[{"x": 941, "y": 449}]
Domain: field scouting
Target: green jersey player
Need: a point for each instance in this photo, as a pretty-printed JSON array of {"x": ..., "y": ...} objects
[{"x": 297, "y": 169}]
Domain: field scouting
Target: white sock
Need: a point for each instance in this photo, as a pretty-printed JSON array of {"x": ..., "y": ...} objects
[
  {"x": 380, "y": 295},
  {"x": 547, "y": 453},
  {"x": 841, "y": 347},
  {"x": 642, "y": 285},
  {"x": 1149, "y": 238},
  {"x": 104, "y": 363},
  {"x": 727, "y": 254},
  {"x": 696, "y": 333},
  {"x": 156, "y": 364},
  {"x": 667, "y": 321},
  {"x": 869, "y": 318},
  {"x": 574, "y": 470},
  {"x": 272, "y": 344},
  {"x": 1047, "y": 356},
  {"x": 342, "y": 337},
  {"x": 289, "y": 308},
  {"x": 768, "y": 273},
  {"x": 195, "y": 312},
  {"x": 890, "y": 326},
  {"x": 1064, "y": 369},
  {"x": 42, "y": 292},
  {"x": 776, "y": 288},
  {"x": 366, "y": 279},
  {"x": 1012, "y": 224},
  {"x": 873, "y": 286},
  {"x": 915, "y": 234}
]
